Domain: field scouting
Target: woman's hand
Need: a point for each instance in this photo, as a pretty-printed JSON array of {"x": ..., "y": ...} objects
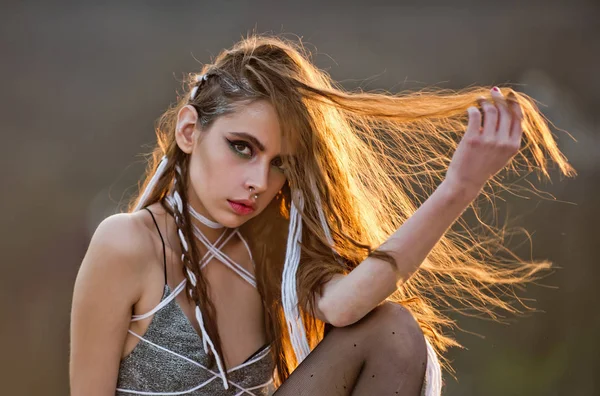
[
  {"x": 482, "y": 152},
  {"x": 486, "y": 149}
]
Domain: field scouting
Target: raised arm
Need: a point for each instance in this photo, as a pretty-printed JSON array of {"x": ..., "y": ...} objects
[
  {"x": 106, "y": 288},
  {"x": 483, "y": 151}
]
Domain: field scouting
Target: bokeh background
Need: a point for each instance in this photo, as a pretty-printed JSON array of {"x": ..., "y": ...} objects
[{"x": 83, "y": 83}]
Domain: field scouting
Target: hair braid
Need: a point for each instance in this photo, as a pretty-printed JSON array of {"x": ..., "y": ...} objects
[
  {"x": 370, "y": 159},
  {"x": 196, "y": 286}
]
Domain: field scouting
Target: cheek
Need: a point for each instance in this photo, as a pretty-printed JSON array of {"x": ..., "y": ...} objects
[
  {"x": 212, "y": 171},
  {"x": 202, "y": 169},
  {"x": 199, "y": 181}
]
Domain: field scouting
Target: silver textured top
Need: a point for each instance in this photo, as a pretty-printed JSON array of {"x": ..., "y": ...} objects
[{"x": 169, "y": 359}]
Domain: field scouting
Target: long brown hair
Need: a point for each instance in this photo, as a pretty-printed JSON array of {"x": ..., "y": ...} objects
[{"x": 369, "y": 160}]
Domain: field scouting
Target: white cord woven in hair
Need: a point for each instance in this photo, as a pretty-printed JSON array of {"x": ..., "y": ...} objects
[
  {"x": 289, "y": 294},
  {"x": 178, "y": 204},
  {"x": 200, "y": 79},
  {"x": 288, "y": 286},
  {"x": 206, "y": 340},
  {"x": 433, "y": 372},
  {"x": 152, "y": 183},
  {"x": 319, "y": 206},
  {"x": 290, "y": 297}
]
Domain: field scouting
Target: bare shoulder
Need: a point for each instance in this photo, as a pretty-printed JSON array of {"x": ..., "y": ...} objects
[
  {"x": 119, "y": 251},
  {"x": 109, "y": 283},
  {"x": 123, "y": 233}
]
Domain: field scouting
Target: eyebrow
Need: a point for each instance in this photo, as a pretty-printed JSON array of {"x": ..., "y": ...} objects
[
  {"x": 258, "y": 143},
  {"x": 251, "y": 138}
]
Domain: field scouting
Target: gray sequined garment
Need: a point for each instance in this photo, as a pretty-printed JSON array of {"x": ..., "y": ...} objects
[
  {"x": 150, "y": 369},
  {"x": 170, "y": 359}
]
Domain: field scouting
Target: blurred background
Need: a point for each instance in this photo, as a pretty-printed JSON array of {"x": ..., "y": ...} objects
[{"x": 83, "y": 83}]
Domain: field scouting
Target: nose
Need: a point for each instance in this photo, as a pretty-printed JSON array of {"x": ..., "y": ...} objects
[{"x": 258, "y": 177}]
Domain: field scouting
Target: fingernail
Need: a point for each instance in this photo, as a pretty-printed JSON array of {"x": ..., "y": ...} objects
[{"x": 496, "y": 89}]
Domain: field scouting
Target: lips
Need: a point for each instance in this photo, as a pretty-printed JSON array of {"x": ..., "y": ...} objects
[{"x": 242, "y": 207}]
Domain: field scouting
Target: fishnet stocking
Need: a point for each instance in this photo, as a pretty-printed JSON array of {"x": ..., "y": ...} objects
[{"x": 382, "y": 354}]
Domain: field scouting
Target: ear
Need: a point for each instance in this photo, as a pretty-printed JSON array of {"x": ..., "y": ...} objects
[{"x": 185, "y": 130}]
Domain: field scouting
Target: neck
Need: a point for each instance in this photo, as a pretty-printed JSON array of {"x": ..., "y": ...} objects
[
  {"x": 201, "y": 219},
  {"x": 204, "y": 220},
  {"x": 212, "y": 234}
]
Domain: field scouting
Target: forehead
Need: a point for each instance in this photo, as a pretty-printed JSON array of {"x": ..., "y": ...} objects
[{"x": 259, "y": 119}]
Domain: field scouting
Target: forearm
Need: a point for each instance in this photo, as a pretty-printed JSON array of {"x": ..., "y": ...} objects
[
  {"x": 414, "y": 240},
  {"x": 482, "y": 152},
  {"x": 350, "y": 297}
]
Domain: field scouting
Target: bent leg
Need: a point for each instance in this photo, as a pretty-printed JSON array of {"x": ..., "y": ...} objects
[{"x": 382, "y": 354}]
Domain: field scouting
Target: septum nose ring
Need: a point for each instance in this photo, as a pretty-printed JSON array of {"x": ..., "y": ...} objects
[{"x": 252, "y": 190}]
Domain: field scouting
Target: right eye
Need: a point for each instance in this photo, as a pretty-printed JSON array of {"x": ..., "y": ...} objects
[{"x": 241, "y": 148}]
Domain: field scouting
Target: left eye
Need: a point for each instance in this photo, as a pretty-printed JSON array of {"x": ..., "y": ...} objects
[
  {"x": 242, "y": 148},
  {"x": 278, "y": 164}
]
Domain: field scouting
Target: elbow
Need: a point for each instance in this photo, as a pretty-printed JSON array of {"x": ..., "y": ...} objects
[{"x": 338, "y": 314}]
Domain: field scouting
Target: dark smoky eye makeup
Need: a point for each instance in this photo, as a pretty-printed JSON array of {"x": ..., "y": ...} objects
[
  {"x": 278, "y": 163},
  {"x": 239, "y": 147}
]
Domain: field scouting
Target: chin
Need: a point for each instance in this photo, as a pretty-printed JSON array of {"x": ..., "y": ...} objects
[{"x": 231, "y": 220}]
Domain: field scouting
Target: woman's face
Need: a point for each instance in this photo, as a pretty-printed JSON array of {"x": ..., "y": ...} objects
[{"x": 238, "y": 156}]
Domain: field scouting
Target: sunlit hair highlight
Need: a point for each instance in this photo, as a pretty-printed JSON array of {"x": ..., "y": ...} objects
[{"x": 372, "y": 158}]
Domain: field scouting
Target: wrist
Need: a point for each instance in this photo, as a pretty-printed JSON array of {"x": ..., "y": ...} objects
[{"x": 456, "y": 191}]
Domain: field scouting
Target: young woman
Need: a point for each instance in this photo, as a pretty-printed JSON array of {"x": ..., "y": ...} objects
[{"x": 280, "y": 239}]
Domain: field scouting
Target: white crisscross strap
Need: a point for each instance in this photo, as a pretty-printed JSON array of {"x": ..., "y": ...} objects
[
  {"x": 288, "y": 287},
  {"x": 213, "y": 251},
  {"x": 176, "y": 203},
  {"x": 214, "y": 375},
  {"x": 161, "y": 305}
]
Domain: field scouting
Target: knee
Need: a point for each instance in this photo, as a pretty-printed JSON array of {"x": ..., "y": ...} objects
[
  {"x": 390, "y": 333},
  {"x": 389, "y": 326},
  {"x": 394, "y": 316},
  {"x": 394, "y": 325}
]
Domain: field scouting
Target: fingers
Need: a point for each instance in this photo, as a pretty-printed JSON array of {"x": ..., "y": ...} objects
[
  {"x": 490, "y": 119},
  {"x": 516, "y": 128},
  {"x": 501, "y": 121},
  {"x": 504, "y": 115},
  {"x": 474, "y": 125}
]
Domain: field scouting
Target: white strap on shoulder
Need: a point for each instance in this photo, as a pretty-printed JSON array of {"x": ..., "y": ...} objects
[{"x": 162, "y": 304}]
